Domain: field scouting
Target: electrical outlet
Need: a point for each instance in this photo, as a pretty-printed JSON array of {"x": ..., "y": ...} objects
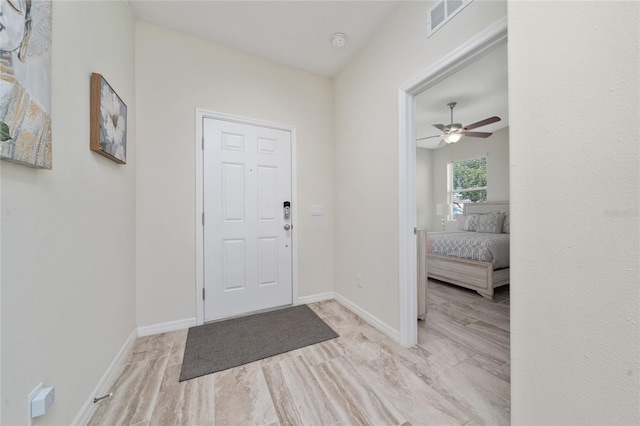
[
  {"x": 359, "y": 282},
  {"x": 30, "y": 397},
  {"x": 43, "y": 401}
]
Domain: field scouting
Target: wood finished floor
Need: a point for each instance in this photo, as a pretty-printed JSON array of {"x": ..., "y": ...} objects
[{"x": 458, "y": 375}]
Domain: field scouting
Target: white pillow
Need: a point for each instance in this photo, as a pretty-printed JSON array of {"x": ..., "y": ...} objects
[
  {"x": 490, "y": 223},
  {"x": 506, "y": 225},
  {"x": 470, "y": 222}
]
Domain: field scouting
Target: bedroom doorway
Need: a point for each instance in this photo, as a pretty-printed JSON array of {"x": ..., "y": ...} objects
[
  {"x": 457, "y": 60},
  {"x": 465, "y": 334}
]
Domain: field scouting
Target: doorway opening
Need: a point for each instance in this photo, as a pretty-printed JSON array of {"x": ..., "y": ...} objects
[{"x": 458, "y": 59}]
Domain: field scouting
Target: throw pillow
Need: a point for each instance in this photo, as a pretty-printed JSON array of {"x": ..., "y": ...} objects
[
  {"x": 470, "y": 222},
  {"x": 506, "y": 225},
  {"x": 490, "y": 223}
]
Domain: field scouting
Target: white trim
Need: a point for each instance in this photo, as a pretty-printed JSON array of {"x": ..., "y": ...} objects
[
  {"x": 200, "y": 115},
  {"x": 469, "y": 157},
  {"x": 453, "y": 62},
  {"x": 368, "y": 317},
  {"x": 294, "y": 213},
  {"x": 407, "y": 250},
  {"x": 165, "y": 327},
  {"x": 106, "y": 381},
  {"x": 303, "y": 300},
  {"x": 459, "y": 58}
]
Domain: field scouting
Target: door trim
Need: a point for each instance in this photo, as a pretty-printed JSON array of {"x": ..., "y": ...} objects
[
  {"x": 459, "y": 58},
  {"x": 201, "y": 114}
]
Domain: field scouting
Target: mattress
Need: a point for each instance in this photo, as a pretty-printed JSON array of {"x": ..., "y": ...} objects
[{"x": 492, "y": 248}]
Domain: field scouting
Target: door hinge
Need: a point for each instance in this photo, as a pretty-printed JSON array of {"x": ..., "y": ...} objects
[
  {"x": 415, "y": 231},
  {"x": 203, "y": 142},
  {"x": 203, "y": 294},
  {"x": 202, "y": 218}
]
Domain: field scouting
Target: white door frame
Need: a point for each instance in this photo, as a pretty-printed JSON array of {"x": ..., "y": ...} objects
[
  {"x": 201, "y": 114},
  {"x": 459, "y": 58}
]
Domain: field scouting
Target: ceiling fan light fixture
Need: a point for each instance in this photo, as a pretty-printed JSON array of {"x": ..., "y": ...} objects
[
  {"x": 453, "y": 132},
  {"x": 452, "y": 137}
]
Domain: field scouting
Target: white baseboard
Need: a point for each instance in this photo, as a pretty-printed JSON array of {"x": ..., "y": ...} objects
[
  {"x": 106, "y": 381},
  {"x": 165, "y": 327},
  {"x": 315, "y": 298},
  {"x": 368, "y": 317}
]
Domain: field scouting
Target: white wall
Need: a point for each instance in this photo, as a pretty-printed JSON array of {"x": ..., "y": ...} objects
[
  {"x": 366, "y": 146},
  {"x": 575, "y": 184},
  {"x": 68, "y": 235},
  {"x": 177, "y": 74},
  {"x": 496, "y": 147},
  {"x": 424, "y": 188}
]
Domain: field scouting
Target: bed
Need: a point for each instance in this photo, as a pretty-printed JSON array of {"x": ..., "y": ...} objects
[{"x": 470, "y": 259}]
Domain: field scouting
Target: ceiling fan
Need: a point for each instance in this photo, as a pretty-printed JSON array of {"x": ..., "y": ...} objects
[{"x": 454, "y": 131}]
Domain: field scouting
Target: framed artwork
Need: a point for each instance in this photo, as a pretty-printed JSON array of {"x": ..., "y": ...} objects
[
  {"x": 25, "y": 82},
  {"x": 108, "y": 121}
]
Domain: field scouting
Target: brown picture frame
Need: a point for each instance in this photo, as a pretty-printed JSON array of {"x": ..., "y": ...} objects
[{"x": 108, "y": 117}]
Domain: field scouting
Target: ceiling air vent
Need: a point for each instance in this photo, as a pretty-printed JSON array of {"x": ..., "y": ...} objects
[{"x": 442, "y": 13}]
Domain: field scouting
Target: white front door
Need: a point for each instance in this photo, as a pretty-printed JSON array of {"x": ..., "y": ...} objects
[{"x": 247, "y": 246}]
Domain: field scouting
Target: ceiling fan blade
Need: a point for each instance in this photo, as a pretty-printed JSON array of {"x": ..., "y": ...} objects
[
  {"x": 429, "y": 137},
  {"x": 478, "y": 134},
  {"x": 482, "y": 123},
  {"x": 441, "y": 127},
  {"x": 441, "y": 144}
]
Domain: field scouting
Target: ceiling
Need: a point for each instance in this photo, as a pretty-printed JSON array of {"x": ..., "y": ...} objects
[
  {"x": 480, "y": 91},
  {"x": 295, "y": 33},
  {"x": 298, "y": 34}
]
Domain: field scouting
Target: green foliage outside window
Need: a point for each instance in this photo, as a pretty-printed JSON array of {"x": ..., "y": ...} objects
[{"x": 468, "y": 175}]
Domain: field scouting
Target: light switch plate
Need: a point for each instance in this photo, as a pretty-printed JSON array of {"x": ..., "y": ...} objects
[{"x": 317, "y": 210}]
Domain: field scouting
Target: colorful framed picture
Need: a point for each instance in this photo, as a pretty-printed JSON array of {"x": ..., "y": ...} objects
[
  {"x": 25, "y": 82},
  {"x": 108, "y": 121}
]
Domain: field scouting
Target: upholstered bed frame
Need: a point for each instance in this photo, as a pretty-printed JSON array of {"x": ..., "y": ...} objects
[{"x": 472, "y": 274}]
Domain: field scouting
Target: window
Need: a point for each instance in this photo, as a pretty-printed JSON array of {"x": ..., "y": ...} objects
[
  {"x": 467, "y": 182},
  {"x": 442, "y": 12}
]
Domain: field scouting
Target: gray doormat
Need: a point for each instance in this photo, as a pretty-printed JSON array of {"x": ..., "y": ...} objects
[{"x": 226, "y": 344}]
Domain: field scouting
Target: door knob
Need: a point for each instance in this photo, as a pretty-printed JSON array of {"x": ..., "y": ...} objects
[{"x": 287, "y": 226}]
